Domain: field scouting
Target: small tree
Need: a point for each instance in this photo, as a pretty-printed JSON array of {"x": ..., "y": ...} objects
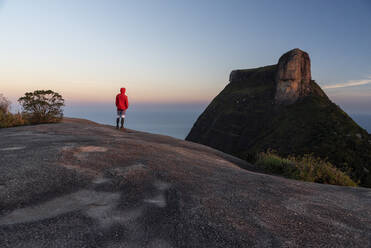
[
  {"x": 4, "y": 104},
  {"x": 42, "y": 106}
]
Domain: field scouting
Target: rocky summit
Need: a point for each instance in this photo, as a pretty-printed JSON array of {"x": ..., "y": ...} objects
[
  {"x": 280, "y": 107},
  {"x": 80, "y": 184},
  {"x": 293, "y": 76}
]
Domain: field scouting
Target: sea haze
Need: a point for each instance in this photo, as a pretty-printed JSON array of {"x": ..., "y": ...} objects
[
  {"x": 174, "y": 120},
  {"x": 364, "y": 120}
]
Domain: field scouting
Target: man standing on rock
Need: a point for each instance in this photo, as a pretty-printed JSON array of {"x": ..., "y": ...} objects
[{"x": 122, "y": 105}]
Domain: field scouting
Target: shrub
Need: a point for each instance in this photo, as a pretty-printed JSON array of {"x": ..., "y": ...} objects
[
  {"x": 306, "y": 168},
  {"x": 4, "y": 104},
  {"x": 42, "y": 106},
  {"x": 8, "y": 119},
  {"x": 11, "y": 120}
]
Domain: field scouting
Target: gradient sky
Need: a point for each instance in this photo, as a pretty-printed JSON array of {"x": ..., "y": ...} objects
[{"x": 179, "y": 51}]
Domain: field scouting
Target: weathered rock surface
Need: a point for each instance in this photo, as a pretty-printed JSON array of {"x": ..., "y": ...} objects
[
  {"x": 80, "y": 184},
  {"x": 293, "y": 76},
  {"x": 279, "y": 107}
]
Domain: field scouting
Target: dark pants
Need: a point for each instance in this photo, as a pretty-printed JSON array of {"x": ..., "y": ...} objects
[{"x": 120, "y": 114}]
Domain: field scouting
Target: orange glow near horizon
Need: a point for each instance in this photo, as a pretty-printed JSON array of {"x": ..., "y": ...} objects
[{"x": 106, "y": 93}]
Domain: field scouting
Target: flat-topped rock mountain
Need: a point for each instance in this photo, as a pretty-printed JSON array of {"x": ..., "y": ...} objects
[
  {"x": 81, "y": 184},
  {"x": 280, "y": 107}
]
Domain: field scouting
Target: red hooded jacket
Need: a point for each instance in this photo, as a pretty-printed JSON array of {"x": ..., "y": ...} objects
[{"x": 122, "y": 102}]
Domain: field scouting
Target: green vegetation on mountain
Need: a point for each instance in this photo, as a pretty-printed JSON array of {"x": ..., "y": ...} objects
[{"x": 306, "y": 168}]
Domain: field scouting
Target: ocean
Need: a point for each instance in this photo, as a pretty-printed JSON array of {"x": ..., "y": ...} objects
[
  {"x": 174, "y": 120},
  {"x": 364, "y": 120}
]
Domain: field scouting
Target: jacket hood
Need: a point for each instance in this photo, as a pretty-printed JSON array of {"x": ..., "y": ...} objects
[{"x": 122, "y": 90}]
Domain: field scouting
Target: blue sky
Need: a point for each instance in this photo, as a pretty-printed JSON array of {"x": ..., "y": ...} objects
[{"x": 179, "y": 51}]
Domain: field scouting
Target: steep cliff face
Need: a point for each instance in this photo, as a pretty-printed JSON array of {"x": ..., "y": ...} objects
[
  {"x": 280, "y": 107},
  {"x": 293, "y": 76}
]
